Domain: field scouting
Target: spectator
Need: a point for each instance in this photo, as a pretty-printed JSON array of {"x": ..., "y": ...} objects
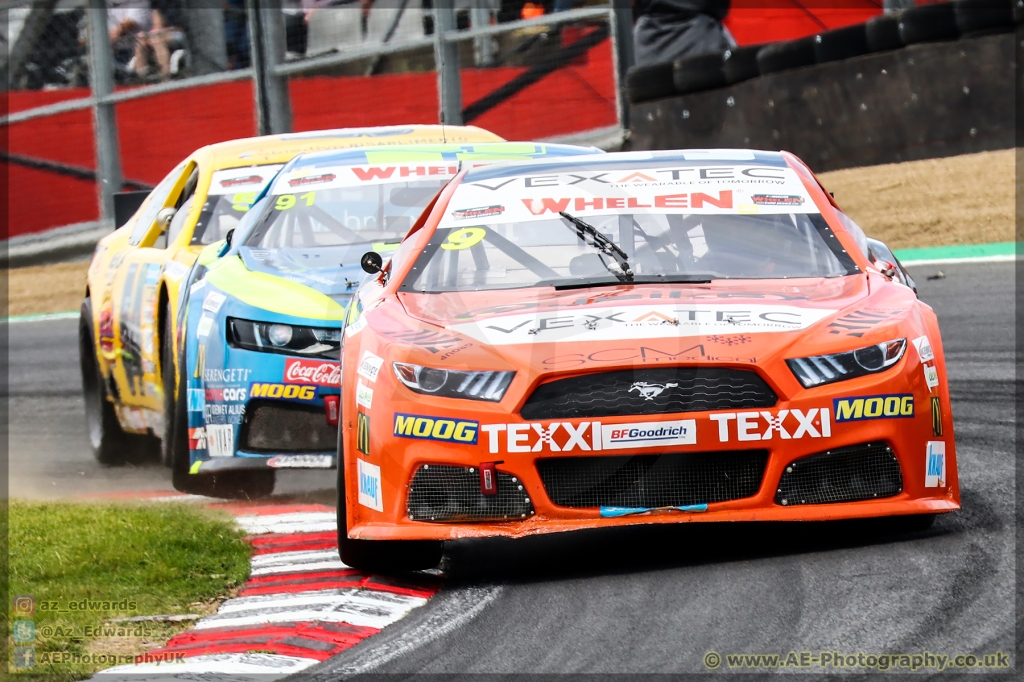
[
  {"x": 236, "y": 34},
  {"x": 137, "y": 31},
  {"x": 669, "y": 29}
]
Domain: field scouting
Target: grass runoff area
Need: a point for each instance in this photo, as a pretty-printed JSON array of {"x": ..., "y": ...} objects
[
  {"x": 958, "y": 200},
  {"x": 77, "y": 570}
]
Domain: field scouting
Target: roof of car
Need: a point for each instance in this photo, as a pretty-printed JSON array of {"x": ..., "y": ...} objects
[
  {"x": 630, "y": 160},
  {"x": 281, "y": 148},
  {"x": 489, "y": 151}
]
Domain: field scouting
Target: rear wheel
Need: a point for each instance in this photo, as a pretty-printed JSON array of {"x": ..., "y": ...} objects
[
  {"x": 111, "y": 445},
  {"x": 234, "y": 485},
  {"x": 380, "y": 556}
]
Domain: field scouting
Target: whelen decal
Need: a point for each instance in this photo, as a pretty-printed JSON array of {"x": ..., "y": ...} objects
[
  {"x": 544, "y": 205},
  {"x": 436, "y": 428},
  {"x": 873, "y": 407}
]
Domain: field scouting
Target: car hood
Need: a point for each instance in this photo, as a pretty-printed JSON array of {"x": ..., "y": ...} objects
[
  {"x": 281, "y": 283},
  {"x": 732, "y": 320}
]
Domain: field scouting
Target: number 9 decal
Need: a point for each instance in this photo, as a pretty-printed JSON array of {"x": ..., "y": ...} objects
[
  {"x": 284, "y": 202},
  {"x": 464, "y": 238}
]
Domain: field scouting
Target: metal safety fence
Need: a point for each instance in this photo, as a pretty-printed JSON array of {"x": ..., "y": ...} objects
[{"x": 105, "y": 95}]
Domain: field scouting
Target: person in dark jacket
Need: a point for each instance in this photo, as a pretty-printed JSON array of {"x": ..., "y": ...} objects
[{"x": 669, "y": 29}]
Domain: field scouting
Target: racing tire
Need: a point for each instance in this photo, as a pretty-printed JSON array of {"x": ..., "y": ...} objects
[
  {"x": 167, "y": 375},
  {"x": 699, "y": 72},
  {"x": 791, "y": 54},
  {"x": 111, "y": 445},
  {"x": 975, "y": 18},
  {"x": 381, "y": 556},
  {"x": 232, "y": 485},
  {"x": 650, "y": 81},
  {"x": 928, "y": 23},
  {"x": 740, "y": 64},
  {"x": 883, "y": 33},
  {"x": 841, "y": 43}
]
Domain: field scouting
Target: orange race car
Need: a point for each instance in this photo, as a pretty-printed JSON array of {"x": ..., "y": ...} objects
[{"x": 653, "y": 337}]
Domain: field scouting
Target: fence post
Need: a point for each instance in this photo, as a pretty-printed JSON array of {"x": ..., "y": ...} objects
[
  {"x": 446, "y": 57},
  {"x": 483, "y": 48},
  {"x": 206, "y": 39},
  {"x": 621, "y": 21},
  {"x": 101, "y": 74},
  {"x": 267, "y": 45}
]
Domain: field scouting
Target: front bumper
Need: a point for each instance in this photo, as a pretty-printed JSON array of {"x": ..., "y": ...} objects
[
  {"x": 247, "y": 411},
  {"x": 787, "y": 434}
]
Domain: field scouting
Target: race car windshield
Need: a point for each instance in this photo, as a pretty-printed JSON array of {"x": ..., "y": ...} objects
[
  {"x": 658, "y": 248},
  {"x": 337, "y": 216},
  {"x": 232, "y": 191}
]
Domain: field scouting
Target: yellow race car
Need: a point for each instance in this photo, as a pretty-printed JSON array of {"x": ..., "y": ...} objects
[{"x": 129, "y": 316}]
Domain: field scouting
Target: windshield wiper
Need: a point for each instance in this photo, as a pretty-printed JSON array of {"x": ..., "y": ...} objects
[
  {"x": 562, "y": 284},
  {"x": 603, "y": 244}
]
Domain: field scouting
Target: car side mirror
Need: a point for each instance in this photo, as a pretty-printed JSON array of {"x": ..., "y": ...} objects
[
  {"x": 371, "y": 262},
  {"x": 888, "y": 269},
  {"x": 164, "y": 217}
]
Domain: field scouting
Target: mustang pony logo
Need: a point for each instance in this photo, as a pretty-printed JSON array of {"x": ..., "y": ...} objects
[{"x": 650, "y": 391}]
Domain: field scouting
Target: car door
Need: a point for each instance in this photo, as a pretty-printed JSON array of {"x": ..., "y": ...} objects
[{"x": 135, "y": 290}]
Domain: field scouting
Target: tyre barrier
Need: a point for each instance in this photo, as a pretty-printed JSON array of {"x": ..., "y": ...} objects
[
  {"x": 790, "y": 54},
  {"x": 926, "y": 23},
  {"x": 883, "y": 33},
  {"x": 841, "y": 43},
  {"x": 976, "y": 18},
  {"x": 700, "y": 72},
  {"x": 741, "y": 64}
]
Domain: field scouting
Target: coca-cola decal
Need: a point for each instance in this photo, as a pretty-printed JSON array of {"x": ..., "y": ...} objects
[{"x": 319, "y": 372}]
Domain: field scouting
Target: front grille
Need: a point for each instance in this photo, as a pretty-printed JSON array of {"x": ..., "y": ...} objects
[
  {"x": 861, "y": 472},
  {"x": 449, "y": 493},
  {"x": 653, "y": 480},
  {"x": 648, "y": 391},
  {"x": 272, "y": 426}
]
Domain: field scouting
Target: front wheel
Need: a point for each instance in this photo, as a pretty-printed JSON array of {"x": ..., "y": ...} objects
[
  {"x": 381, "y": 556},
  {"x": 234, "y": 485},
  {"x": 111, "y": 445}
]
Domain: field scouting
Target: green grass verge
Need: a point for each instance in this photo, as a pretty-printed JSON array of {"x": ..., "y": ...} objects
[{"x": 86, "y": 565}]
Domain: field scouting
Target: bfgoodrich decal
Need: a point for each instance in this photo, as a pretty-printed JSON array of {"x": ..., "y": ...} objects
[{"x": 640, "y": 322}]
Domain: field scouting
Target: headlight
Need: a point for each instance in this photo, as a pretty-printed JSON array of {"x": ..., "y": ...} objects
[
  {"x": 284, "y": 338},
  {"x": 454, "y": 384},
  {"x": 825, "y": 369}
]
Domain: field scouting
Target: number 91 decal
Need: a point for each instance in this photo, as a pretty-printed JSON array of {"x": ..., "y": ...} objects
[
  {"x": 464, "y": 238},
  {"x": 286, "y": 201}
]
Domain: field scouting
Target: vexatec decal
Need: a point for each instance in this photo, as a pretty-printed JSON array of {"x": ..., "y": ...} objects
[{"x": 640, "y": 322}]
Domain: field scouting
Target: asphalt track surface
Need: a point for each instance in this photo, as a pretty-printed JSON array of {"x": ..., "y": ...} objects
[{"x": 657, "y": 599}]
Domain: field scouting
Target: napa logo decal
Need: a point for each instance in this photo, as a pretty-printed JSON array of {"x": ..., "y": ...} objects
[
  {"x": 874, "y": 407},
  {"x": 370, "y": 494},
  {"x": 436, "y": 428}
]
